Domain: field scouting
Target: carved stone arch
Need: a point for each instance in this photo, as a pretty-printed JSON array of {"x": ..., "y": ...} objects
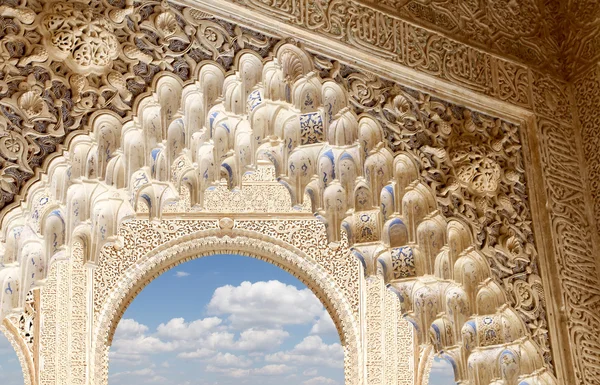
[
  {"x": 226, "y": 241},
  {"x": 411, "y": 269}
]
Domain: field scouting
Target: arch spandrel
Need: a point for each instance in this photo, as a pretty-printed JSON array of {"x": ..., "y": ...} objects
[
  {"x": 431, "y": 193},
  {"x": 223, "y": 239}
]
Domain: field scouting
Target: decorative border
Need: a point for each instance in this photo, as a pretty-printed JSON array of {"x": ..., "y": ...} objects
[{"x": 242, "y": 242}]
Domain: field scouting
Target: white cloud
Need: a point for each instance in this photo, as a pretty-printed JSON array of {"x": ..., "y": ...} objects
[
  {"x": 178, "y": 329},
  {"x": 310, "y": 372},
  {"x": 220, "y": 340},
  {"x": 324, "y": 325},
  {"x": 139, "y": 372},
  {"x": 311, "y": 351},
  {"x": 267, "y": 370},
  {"x": 271, "y": 303},
  {"x": 142, "y": 345},
  {"x": 181, "y": 274},
  {"x": 230, "y": 360},
  {"x": 231, "y": 372},
  {"x": 254, "y": 339},
  {"x": 251, "y": 340},
  {"x": 272, "y": 370},
  {"x": 235, "y": 343},
  {"x": 131, "y": 345},
  {"x": 150, "y": 375},
  {"x": 199, "y": 353},
  {"x": 320, "y": 381},
  {"x": 128, "y": 327}
]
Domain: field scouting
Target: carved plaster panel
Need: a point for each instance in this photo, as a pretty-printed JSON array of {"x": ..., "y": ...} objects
[
  {"x": 587, "y": 96},
  {"x": 580, "y": 22},
  {"x": 46, "y": 97},
  {"x": 523, "y": 30},
  {"x": 435, "y": 169},
  {"x": 572, "y": 233},
  {"x": 466, "y": 166},
  {"x": 112, "y": 298}
]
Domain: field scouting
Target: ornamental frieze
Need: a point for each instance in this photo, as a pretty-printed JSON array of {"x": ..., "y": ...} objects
[
  {"x": 472, "y": 162},
  {"x": 64, "y": 63},
  {"x": 53, "y": 79}
]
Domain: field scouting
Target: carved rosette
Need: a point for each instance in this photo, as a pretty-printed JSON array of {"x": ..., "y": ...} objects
[{"x": 78, "y": 35}]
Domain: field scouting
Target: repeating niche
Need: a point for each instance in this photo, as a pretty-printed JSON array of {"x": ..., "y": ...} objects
[{"x": 187, "y": 138}]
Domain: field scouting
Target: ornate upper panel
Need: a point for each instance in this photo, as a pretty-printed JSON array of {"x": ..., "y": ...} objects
[
  {"x": 525, "y": 30},
  {"x": 61, "y": 61},
  {"x": 580, "y": 22},
  {"x": 554, "y": 36}
]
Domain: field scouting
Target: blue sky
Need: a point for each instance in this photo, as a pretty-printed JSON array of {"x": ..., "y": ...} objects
[
  {"x": 223, "y": 320},
  {"x": 10, "y": 368},
  {"x": 226, "y": 320}
]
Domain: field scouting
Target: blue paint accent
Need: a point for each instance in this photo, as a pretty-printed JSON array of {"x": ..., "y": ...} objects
[{"x": 229, "y": 171}]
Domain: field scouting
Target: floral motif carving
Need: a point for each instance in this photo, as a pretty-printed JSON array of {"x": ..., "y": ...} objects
[
  {"x": 578, "y": 269},
  {"x": 475, "y": 165},
  {"x": 61, "y": 61},
  {"x": 473, "y": 162},
  {"x": 521, "y": 32},
  {"x": 551, "y": 98},
  {"x": 79, "y": 35}
]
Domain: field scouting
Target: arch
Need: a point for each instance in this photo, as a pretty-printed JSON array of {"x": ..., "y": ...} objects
[
  {"x": 219, "y": 241},
  {"x": 352, "y": 176}
]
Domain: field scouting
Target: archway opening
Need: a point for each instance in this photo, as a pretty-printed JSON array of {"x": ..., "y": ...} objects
[
  {"x": 441, "y": 372},
  {"x": 11, "y": 372},
  {"x": 226, "y": 319}
]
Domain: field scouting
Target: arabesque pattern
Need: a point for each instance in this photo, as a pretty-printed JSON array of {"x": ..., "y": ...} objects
[
  {"x": 432, "y": 192},
  {"x": 177, "y": 113}
]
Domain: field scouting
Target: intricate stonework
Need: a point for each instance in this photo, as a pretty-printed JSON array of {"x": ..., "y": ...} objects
[
  {"x": 191, "y": 244},
  {"x": 581, "y": 44},
  {"x": 79, "y": 35},
  {"x": 577, "y": 264},
  {"x": 582, "y": 297},
  {"x": 127, "y": 67},
  {"x": 62, "y": 61},
  {"x": 522, "y": 31},
  {"x": 587, "y": 96},
  {"x": 181, "y": 106}
]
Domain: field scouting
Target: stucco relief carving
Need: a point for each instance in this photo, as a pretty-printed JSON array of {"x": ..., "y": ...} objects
[
  {"x": 61, "y": 61},
  {"x": 587, "y": 95},
  {"x": 79, "y": 35},
  {"x": 577, "y": 265},
  {"x": 35, "y": 121},
  {"x": 471, "y": 162},
  {"x": 391, "y": 166},
  {"x": 188, "y": 244},
  {"x": 46, "y": 60},
  {"x": 581, "y": 45},
  {"x": 474, "y": 163},
  {"x": 522, "y": 31},
  {"x": 581, "y": 294}
]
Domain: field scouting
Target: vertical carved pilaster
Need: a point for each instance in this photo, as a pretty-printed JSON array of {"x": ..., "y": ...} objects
[{"x": 573, "y": 250}]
